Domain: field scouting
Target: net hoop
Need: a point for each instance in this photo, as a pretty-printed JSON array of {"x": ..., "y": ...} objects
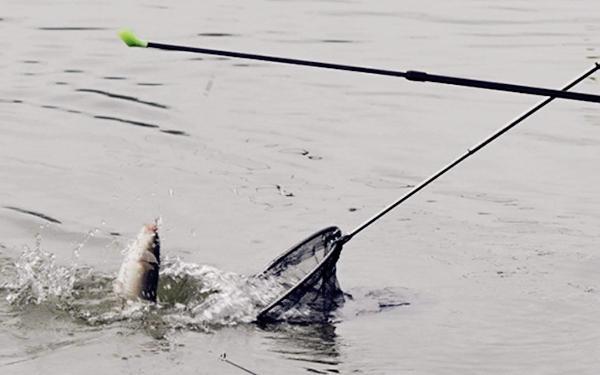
[{"x": 335, "y": 232}]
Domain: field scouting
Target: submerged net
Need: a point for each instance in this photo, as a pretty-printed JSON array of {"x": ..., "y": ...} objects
[{"x": 307, "y": 273}]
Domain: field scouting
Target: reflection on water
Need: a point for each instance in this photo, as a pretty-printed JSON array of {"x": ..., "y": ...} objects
[{"x": 316, "y": 346}]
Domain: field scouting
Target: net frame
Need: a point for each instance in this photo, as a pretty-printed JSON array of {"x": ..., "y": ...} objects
[{"x": 323, "y": 274}]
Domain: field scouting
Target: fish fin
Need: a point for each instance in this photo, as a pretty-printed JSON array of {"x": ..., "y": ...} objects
[{"x": 148, "y": 257}]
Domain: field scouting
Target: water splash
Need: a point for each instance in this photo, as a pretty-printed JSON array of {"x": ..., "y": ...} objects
[
  {"x": 38, "y": 278},
  {"x": 190, "y": 296},
  {"x": 220, "y": 298}
]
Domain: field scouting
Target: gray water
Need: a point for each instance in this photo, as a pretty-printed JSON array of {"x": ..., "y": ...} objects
[{"x": 493, "y": 269}]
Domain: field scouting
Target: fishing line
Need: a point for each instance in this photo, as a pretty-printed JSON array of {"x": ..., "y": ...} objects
[{"x": 223, "y": 357}]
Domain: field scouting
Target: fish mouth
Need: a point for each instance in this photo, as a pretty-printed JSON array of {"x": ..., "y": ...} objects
[{"x": 150, "y": 228}]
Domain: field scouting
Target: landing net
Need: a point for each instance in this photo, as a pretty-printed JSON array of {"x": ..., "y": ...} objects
[{"x": 307, "y": 273}]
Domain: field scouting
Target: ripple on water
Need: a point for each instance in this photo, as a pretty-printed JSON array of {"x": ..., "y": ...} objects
[
  {"x": 150, "y": 84},
  {"x": 175, "y": 132},
  {"x": 34, "y": 213},
  {"x": 71, "y": 28},
  {"x": 217, "y": 34},
  {"x": 123, "y": 97},
  {"x": 384, "y": 182},
  {"x": 136, "y": 123},
  {"x": 124, "y": 121},
  {"x": 301, "y": 152},
  {"x": 337, "y": 41}
]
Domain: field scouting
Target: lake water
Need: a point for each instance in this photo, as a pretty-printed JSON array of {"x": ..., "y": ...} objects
[{"x": 493, "y": 269}]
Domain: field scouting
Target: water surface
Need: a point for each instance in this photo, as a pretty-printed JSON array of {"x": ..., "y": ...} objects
[{"x": 493, "y": 269}]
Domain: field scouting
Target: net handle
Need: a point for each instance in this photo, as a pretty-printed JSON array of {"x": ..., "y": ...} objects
[{"x": 465, "y": 156}]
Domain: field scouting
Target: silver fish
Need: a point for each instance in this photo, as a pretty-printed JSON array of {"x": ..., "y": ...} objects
[{"x": 138, "y": 276}]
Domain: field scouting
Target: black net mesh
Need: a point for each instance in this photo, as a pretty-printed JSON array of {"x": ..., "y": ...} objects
[{"x": 307, "y": 272}]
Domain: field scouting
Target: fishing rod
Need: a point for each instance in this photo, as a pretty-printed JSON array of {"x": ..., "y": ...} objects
[
  {"x": 465, "y": 156},
  {"x": 417, "y": 76}
]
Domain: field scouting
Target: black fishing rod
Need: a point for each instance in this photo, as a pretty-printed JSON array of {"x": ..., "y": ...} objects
[{"x": 132, "y": 41}]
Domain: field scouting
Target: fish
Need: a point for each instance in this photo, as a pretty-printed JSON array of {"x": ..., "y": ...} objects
[{"x": 138, "y": 276}]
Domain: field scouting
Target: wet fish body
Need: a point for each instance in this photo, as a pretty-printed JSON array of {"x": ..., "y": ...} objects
[{"x": 138, "y": 275}]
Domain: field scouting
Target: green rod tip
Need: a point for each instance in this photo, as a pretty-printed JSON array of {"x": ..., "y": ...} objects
[{"x": 131, "y": 40}]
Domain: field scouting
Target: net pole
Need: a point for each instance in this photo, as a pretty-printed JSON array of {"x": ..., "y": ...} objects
[{"x": 466, "y": 155}]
